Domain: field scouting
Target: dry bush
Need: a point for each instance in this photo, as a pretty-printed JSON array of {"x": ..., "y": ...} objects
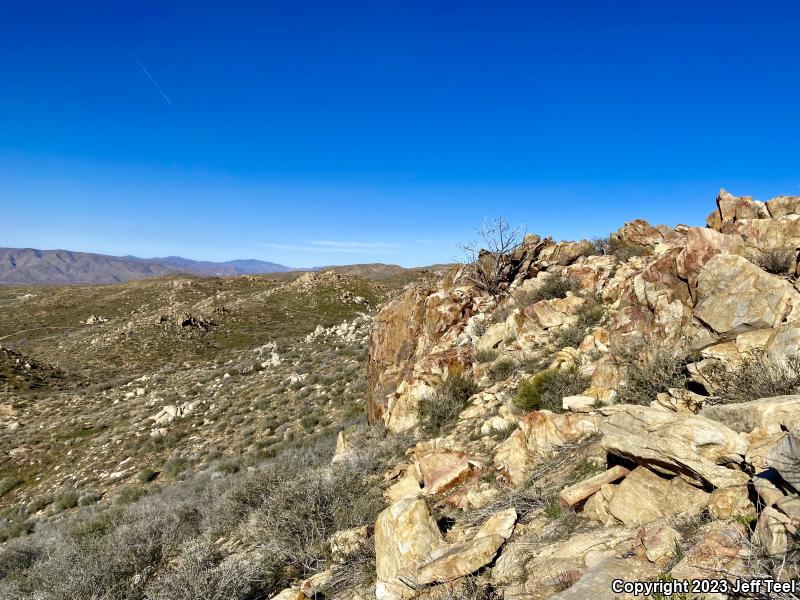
[
  {"x": 758, "y": 375},
  {"x": 441, "y": 410},
  {"x": 159, "y": 546},
  {"x": 490, "y": 263},
  {"x": 778, "y": 261},
  {"x": 651, "y": 368}
]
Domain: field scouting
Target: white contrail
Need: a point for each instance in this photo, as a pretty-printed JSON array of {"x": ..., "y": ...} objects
[{"x": 146, "y": 72}]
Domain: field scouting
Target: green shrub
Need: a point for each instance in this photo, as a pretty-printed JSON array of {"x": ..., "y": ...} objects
[
  {"x": 551, "y": 288},
  {"x": 146, "y": 475},
  {"x": 89, "y": 499},
  {"x": 545, "y": 390},
  {"x": 619, "y": 249},
  {"x": 441, "y": 410},
  {"x": 66, "y": 500},
  {"x": 486, "y": 356},
  {"x": 7, "y": 484},
  {"x": 502, "y": 369}
]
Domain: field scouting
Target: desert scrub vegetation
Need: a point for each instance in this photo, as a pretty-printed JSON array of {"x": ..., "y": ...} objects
[
  {"x": 502, "y": 368},
  {"x": 619, "y": 249},
  {"x": 440, "y": 411},
  {"x": 778, "y": 261},
  {"x": 546, "y": 389},
  {"x": 551, "y": 288},
  {"x": 650, "y": 368},
  {"x": 590, "y": 313},
  {"x": 162, "y": 546},
  {"x": 486, "y": 356},
  {"x": 757, "y": 375}
]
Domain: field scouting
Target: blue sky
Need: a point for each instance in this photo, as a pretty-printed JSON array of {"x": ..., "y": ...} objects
[{"x": 313, "y": 133}]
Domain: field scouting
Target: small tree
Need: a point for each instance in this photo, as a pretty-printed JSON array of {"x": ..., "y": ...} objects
[{"x": 490, "y": 261}]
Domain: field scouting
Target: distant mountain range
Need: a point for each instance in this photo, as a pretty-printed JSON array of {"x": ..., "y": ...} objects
[{"x": 27, "y": 265}]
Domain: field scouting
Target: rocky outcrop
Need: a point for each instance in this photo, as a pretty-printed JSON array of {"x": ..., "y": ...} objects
[
  {"x": 700, "y": 450},
  {"x": 733, "y": 294},
  {"x": 634, "y": 479}
]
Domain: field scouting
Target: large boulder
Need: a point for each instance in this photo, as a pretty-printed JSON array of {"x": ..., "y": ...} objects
[
  {"x": 782, "y": 206},
  {"x": 644, "y": 496},
  {"x": 596, "y": 583},
  {"x": 442, "y": 471},
  {"x": 732, "y": 208},
  {"x": 781, "y": 413},
  {"x": 733, "y": 294},
  {"x": 701, "y": 245},
  {"x": 405, "y": 535},
  {"x": 415, "y": 325},
  {"x": 539, "y": 434},
  {"x": 459, "y": 560},
  {"x": 698, "y": 449}
]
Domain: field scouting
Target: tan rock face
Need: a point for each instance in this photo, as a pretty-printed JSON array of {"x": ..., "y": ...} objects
[
  {"x": 644, "y": 496},
  {"x": 771, "y": 532},
  {"x": 442, "y": 471},
  {"x": 733, "y": 293},
  {"x": 732, "y": 208},
  {"x": 681, "y": 443},
  {"x": 701, "y": 245},
  {"x": 539, "y": 434},
  {"x": 596, "y": 582},
  {"x": 406, "y": 330},
  {"x": 774, "y": 415},
  {"x": 782, "y": 206},
  {"x": 729, "y": 503},
  {"x": 459, "y": 560},
  {"x": 574, "y": 495},
  {"x": 405, "y": 534}
]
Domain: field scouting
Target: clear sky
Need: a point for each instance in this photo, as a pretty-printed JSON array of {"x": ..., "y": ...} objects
[{"x": 328, "y": 132}]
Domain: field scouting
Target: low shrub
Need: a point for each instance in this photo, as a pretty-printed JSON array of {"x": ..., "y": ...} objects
[
  {"x": 777, "y": 261},
  {"x": 502, "y": 369},
  {"x": 619, "y": 249},
  {"x": 66, "y": 500},
  {"x": 551, "y": 288},
  {"x": 7, "y": 484},
  {"x": 758, "y": 375},
  {"x": 545, "y": 390},
  {"x": 650, "y": 368},
  {"x": 441, "y": 410},
  {"x": 486, "y": 356}
]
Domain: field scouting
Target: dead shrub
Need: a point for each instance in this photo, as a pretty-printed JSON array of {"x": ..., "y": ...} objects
[
  {"x": 651, "y": 368},
  {"x": 778, "y": 261},
  {"x": 758, "y": 375}
]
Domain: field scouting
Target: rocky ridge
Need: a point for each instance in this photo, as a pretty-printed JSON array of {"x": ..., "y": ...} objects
[{"x": 681, "y": 484}]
